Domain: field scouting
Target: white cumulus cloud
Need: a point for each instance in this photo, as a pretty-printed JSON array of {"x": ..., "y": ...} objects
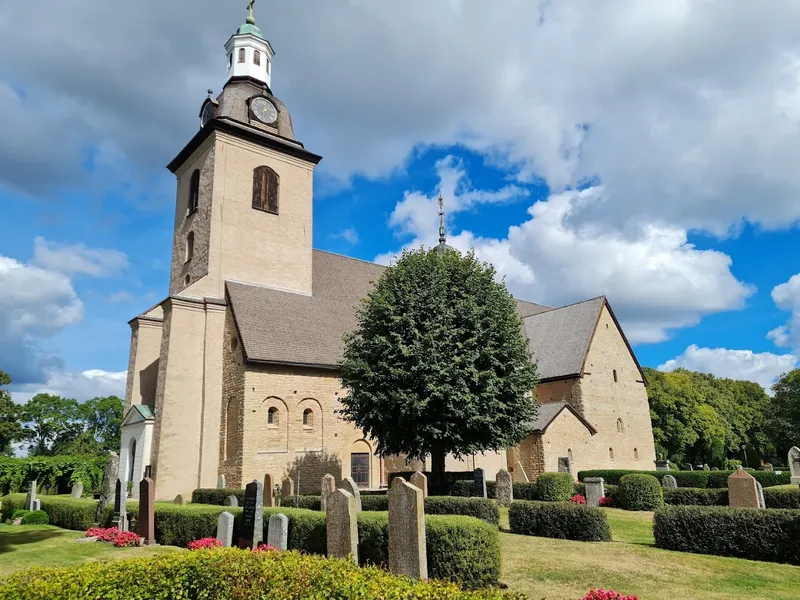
[
  {"x": 81, "y": 386},
  {"x": 74, "y": 259},
  {"x": 787, "y": 297}
]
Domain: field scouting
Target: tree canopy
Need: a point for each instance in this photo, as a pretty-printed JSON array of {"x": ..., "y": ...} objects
[
  {"x": 783, "y": 417},
  {"x": 438, "y": 363},
  {"x": 10, "y": 427}
]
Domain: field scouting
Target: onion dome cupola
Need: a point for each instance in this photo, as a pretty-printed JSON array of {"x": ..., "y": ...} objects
[{"x": 249, "y": 53}]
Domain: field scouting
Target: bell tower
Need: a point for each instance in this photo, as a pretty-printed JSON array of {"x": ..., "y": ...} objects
[{"x": 249, "y": 54}]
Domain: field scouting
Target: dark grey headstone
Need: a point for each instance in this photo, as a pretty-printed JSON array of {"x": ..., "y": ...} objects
[
  {"x": 564, "y": 464},
  {"x": 251, "y": 533},
  {"x": 480, "y": 483},
  {"x": 120, "y": 518}
]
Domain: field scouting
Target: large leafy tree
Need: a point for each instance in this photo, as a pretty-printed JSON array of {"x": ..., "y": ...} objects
[
  {"x": 51, "y": 422},
  {"x": 103, "y": 419},
  {"x": 783, "y": 414},
  {"x": 438, "y": 363},
  {"x": 10, "y": 427}
]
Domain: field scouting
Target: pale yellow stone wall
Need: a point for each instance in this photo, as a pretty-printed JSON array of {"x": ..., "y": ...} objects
[
  {"x": 490, "y": 462},
  {"x": 143, "y": 362},
  {"x": 567, "y": 436},
  {"x": 566, "y": 390}
]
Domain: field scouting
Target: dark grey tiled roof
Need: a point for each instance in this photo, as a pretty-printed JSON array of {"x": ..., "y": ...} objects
[
  {"x": 559, "y": 338},
  {"x": 549, "y": 411},
  {"x": 283, "y": 327}
]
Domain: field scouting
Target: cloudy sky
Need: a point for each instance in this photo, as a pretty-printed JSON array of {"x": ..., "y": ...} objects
[{"x": 649, "y": 151}]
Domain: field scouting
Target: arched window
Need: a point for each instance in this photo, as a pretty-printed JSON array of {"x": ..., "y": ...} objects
[
  {"x": 189, "y": 246},
  {"x": 272, "y": 416},
  {"x": 611, "y": 454},
  {"x": 241, "y": 55},
  {"x": 620, "y": 426},
  {"x": 308, "y": 418},
  {"x": 265, "y": 189},
  {"x": 635, "y": 454},
  {"x": 257, "y": 58},
  {"x": 569, "y": 453},
  {"x": 132, "y": 460},
  {"x": 269, "y": 65},
  {"x": 615, "y": 376},
  {"x": 194, "y": 191}
]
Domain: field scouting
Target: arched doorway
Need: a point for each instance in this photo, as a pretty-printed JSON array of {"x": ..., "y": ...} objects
[
  {"x": 131, "y": 459},
  {"x": 360, "y": 455}
]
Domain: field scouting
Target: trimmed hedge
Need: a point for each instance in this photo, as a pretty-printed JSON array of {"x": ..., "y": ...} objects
[
  {"x": 230, "y": 574},
  {"x": 307, "y": 502},
  {"x": 554, "y": 487},
  {"x": 53, "y": 474},
  {"x": 782, "y": 498},
  {"x": 562, "y": 520},
  {"x": 482, "y": 508},
  {"x": 63, "y": 511},
  {"x": 216, "y": 496},
  {"x": 769, "y": 535},
  {"x": 693, "y": 479},
  {"x": 640, "y": 492},
  {"x": 439, "y": 484},
  {"x": 695, "y": 496},
  {"x": 35, "y": 517},
  {"x": 522, "y": 491}
]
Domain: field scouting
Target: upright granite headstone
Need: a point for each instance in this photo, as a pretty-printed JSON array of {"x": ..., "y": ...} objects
[
  {"x": 503, "y": 488},
  {"x": 220, "y": 481},
  {"x": 278, "y": 531},
  {"x": 232, "y": 501},
  {"x": 269, "y": 491},
  {"x": 420, "y": 480},
  {"x": 77, "y": 490},
  {"x": 148, "y": 471},
  {"x": 706, "y": 468},
  {"x": 225, "y": 529},
  {"x": 794, "y": 464},
  {"x": 110, "y": 477},
  {"x": 287, "y": 489},
  {"x": 251, "y": 533},
  {"x": 687, "y": 467},
  {"x": 669, "y": 481},
  {"x": 595, "y": 489},
  {"x": 767, "y": 466},
  {"x": 480, "y": 482},
  {"x": 761, "y": 502},
  {"x": 30, "y": 498},
  {"x": 565, "y": 464},
  {"x": 327, "y": 487},
  {"x": 120, "y": 518},
  {"x": 178, "y": 499},
  {"x": 147, "y": 499},
  {"x": 662, "y": 465},
  {"x": 742, "y": 490},
  {"x": 407, "y": 554},
  {"x": 341, "y": 525},
  {"x": 349, "y": 485}
]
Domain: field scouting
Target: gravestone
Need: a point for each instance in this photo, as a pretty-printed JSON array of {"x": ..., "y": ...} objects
[
  {"x": 179, "y": 500},
  {"x": 225, "y": 529},
  {"x": 669, "y": 482},
  {"x": 767, "y": 467},
  {"x": 327, "y": 487},
  {"x": 278, "y": 532},
  {"x": 120, "y": 518},
  {"x": 287, "y": 489},
  {"x": 147, "y": 499},
  {"x": 77, "y": 490},
  {"x": 715, "y": 468},
  {"x": 148, "y": 471},
  {"x": 706, "y": 468},
  {"x": 220, "y": 481},
  {"x": 407, "y": 554},
  {"x": 565, "y": 464},
  {"x": 30, "y": 498},
  {"x": 349, "y": 485},
  {"x": 232, "y": 501},
  {"x": 742, "y": 490},
  {"x": 480, "y": 482},
  {"x": 110, "y": 477},
  {"x": 37, "y": 504},
  {"x": 503, "y": 488},
  {"x": 595, "y": 489},
  {"x": 251, "y": 533},
  {"x": 761, "y": 502},
  {"x": 794, "y": 464},
  {"x": 687, "y": 467},
  {"x": 341, "y": 525},
  {"x": 269, "y": 491},
  {"x": 662, "y": 465},
  {"x": 420, "y": 480}
]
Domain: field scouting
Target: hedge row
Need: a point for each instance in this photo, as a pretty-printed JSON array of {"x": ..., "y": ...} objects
[
  {"x": 769, "y": 535},
  {"x": 523, "y": 491},
  {"x": 693, "y": 479},
  {"x": 782, "y": 498},
  {"x": 54, "y": 474},
  {"x": 696, "y": 496},
  {"x": 63, "y": 511},
  {"x": 561, "y": 520},
  {"x": 216, "y": 496},
  {"x": 230, "y": 574},
  {"x": 440, "y": 484}
]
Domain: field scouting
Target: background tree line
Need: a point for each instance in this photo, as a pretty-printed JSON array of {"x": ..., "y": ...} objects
[{"x": 50, "y": 425}]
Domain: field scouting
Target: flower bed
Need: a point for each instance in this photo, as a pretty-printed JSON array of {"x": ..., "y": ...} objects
[
  {"x": 607, "y": 595},
  {"x": 205, "y": 543},
  {"x": 121, "y": 539}
]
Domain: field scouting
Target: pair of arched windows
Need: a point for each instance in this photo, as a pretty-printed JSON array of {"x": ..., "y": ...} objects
[
  {"x": 243, "y": 58},
  {"x": 635, "y": 454},
  {"x": 273, "y": 417}
]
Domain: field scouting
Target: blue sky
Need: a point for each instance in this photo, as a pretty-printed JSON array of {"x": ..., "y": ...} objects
[{"x": 577, "y": 154}]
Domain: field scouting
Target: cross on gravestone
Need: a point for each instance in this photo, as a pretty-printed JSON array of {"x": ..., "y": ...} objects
[
  {"x": 269, "y": 491},
  {"x": 565, "y": 464},
  {"x": 278, "y": 531},
  {"x": 407, "y": 555},
  {"x": 225, "y": 529},
  {"x": 120, "y": 518},
  {"x": 479, "y": 478},
  {"x": 251, "y": 533},
  {"x": 669, "y": 481},
  {"x": 341, "y": 525},
  {"x": 420, "y": 480},
  {"x": 287, "y": 489},
  {"x": 327, "y": 487},
  {"x": 220, "y": 481},
  {"x": 503, "y": 488},
  {"x": 147, "y": 499},
  {"x": 110, "y": 476},
  {"x": 595, "y": 489},
  {"x": 232, "y": 501},
  {"x": 349, "y": 485},
  {"x": 77, "y": 490},
  {"x": 794, "y": 465},
  {"x": 742, "y": 490}
]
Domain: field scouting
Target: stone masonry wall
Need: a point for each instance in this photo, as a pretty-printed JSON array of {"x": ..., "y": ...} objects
[{"x": 232, "y": 413}]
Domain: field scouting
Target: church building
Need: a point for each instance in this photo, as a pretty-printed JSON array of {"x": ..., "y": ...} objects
[{"x": 235, "y": 371}]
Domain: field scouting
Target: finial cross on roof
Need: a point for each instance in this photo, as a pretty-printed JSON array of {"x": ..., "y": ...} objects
[{"x": 250, "y": 18}]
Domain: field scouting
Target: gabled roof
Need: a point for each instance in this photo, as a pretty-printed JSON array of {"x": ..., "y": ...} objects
[
  {"x": 138, "y": 413},
  {"x": 548, "y": 412}
]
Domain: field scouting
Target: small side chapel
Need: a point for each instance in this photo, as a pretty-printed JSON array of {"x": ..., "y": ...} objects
[{"x": 234, "y": 372}]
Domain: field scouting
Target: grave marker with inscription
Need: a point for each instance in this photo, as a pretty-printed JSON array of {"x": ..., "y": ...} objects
[
  {"x": 269, "y": 491},
  {"x": 225, "y": 529},
  {"x": 407, "y": 554},
  {"x": 278, "y": 532},
  {"x": 342, "y": 526},
  {"x": 595, "y": 489},
  {"x": 420, "y": 480},
  {"x": 147, "y": 498},
  {"x": 479, "y": 478},
  {"x": 327, "y": 487},
  {"x": 349, "y": 484},
  {"x": 504, "y": 488},
  {"x": 742, "y": 490},
  {"x": 251, "y": 533}
]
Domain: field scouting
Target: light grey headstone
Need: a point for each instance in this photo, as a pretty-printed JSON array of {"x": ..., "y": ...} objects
[
  {"x": 595, "y": 489},
  {"x": 37, "y": 504},
  {"x": 479, "y": 477},
  {"x": 669, "y": 481},
  {"x": 420, "y": 480},
  {"x": 287, "y": 489},
  {"x": 407, "y": 555},
  {"x": 662, "y": 465},
  {"x": 761, "y": 502},
  {"x": 179, "y": 500},
  {"x": 251, "y": 532},
  {"x": 77, "y": 490},
  {"x": 687, "y": 467},
  {"x": 269, "y": 491},
  {"x": 715, "y": 468},
  {"x": 278, "y": 531},
  {"x": 107, "y": 489},
  {"x": 503, "y": 488},
  {"x": 767, "y": 466},
  {"x": 706, "y": 468},
  {"x": 341, "y": 525},
  {"x": 232, "y": 501},
  {"x": 349, "y": 484},
  {"x": 31, "y": 496},
  {"x": 327, "y": 487},
  {"x": 794, "y": 464},
  {"x": 221, "y": 482},
  {"x": 225, "y": 529}
]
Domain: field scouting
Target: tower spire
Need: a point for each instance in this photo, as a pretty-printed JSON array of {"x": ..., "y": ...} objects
[
  {"x": 251, "y": 20},
  {"x": 442, "y": 238}
]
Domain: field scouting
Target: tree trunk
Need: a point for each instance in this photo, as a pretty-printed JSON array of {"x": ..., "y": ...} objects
[{"x": 437, "y": 460}]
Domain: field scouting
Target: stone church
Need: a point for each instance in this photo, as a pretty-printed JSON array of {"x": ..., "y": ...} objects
[{"x": 234, "y": 372}]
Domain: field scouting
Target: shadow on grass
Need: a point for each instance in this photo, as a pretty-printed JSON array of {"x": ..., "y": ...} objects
[{"x": 9, "y": 541}]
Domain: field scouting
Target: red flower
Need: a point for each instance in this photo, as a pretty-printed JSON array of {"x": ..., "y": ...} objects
[
  {"x": 602, "y": 594},
  {"x": 606, "y": 501},
  {"x": 205, "y": 544},
  {"x": 124, "y": 539},
  {"x": 578, "y": 499},
  {"x": 265, "y": 548}
]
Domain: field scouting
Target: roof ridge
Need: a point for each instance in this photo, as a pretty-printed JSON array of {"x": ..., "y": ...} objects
[
  {"x": 363, "y": 260},
  {"x": 570, "y": 305},
  {"x": 267, "y": 287}
]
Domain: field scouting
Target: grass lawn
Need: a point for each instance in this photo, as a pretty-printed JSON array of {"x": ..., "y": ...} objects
[
  {"x": 26, "y": 546},
  {"x": 550, "y": 569}
]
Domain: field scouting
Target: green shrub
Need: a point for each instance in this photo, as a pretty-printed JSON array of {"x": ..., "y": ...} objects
[
  {"x": 561, "y": 520},
  {"x": 693, "y": 479},
  {"x": 769, "y": 535},
  {"x": 696, "y": 496},
  {"x": 216, "y": 496},
  {"x": 230, "y": 574},
  {"x": 35, "y": 517},
  {"x": 640, "y": 492},
  {"x": 782, "y": 498},
  {"x": 375, "y": 503},
  {"x": 54, "y": 474},
  {"x": 554, "y": 487},
  {"x": 307, "y": 502},
  {"x": 482, "y": 508},
  {"x": 63, "y": 511},
  {"x": 18, "y": 514},
  {"x": 467, "y": 489},
  {"x": 524, "y": 491}
]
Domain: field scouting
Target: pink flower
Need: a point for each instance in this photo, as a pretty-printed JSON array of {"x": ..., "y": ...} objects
[
  {"x": 205, "y": 544},
  {"x": 578, "y": 499},
  {"x": 124, "y": 539},
  {"x": 265, "y": 548},
  {"x": 602, "y": 594},
  {"x": 606, "y": 501}
]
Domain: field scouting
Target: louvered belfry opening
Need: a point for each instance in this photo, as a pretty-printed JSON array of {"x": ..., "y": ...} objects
[{"x": 265, "y": 189}]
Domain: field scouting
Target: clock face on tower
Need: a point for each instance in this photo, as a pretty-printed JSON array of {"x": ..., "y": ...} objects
[
  {"x": 264, "y": 110},
  {"x": 208, "y": 109}
]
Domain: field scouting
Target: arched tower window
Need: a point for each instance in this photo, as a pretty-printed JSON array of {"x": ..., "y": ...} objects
[
  {"x": 611, "y": 454},
  {"x": 257, "y": 58},
  {"x": 241, "y": 55},
  {"x": 189, "y": 246},
  {"x": 615, "y": 376},
  {"x": 620, "y": 426},
  {"x": 272, "y": 416},
  {"x": 194, "y": 191},
  {"x": 569, "y": 453},
  {"x": 132, "y": 460},
  {"x": 308, "y": 418},
  {"x": 635, "y": 454},
  {"x": 265, "y": 189}
]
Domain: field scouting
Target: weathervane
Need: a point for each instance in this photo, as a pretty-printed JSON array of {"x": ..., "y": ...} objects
[{"x": 442, "y": 238}]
